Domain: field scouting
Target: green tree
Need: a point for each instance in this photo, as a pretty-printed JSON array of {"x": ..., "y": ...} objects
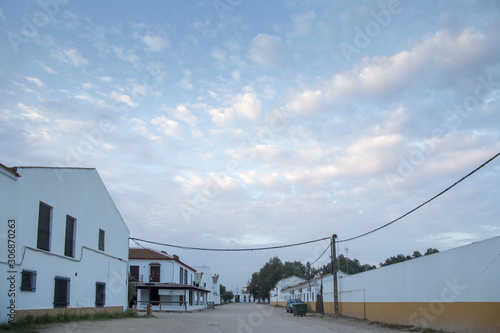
[
  {"x": 228, "y": 296},
  {"x": 430, "y": 251}
]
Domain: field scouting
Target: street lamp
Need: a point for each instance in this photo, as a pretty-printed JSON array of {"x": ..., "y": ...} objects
[{"x": 321, "y": 290}]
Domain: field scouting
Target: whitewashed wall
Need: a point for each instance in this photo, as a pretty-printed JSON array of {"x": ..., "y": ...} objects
[
  {"x": 208, "y": 283},
  {"x": 455, "y": 290},
  {"x": 81, "y": 194}
]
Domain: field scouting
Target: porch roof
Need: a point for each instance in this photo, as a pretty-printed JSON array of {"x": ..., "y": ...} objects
[{"x": 143, "y": 285}]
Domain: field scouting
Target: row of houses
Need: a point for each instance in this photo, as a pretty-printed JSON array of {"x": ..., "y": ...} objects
[
  {"x": 455, "y": 290},
  {"x": 64, "y": 248}
]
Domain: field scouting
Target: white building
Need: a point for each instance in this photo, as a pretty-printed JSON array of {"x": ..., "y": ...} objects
[
  {"x": 241, "y": 295},
  {"x": 209, "y": 282},
  {"x": 165, "y": 282},
  {"x": 64, "y": 245}
]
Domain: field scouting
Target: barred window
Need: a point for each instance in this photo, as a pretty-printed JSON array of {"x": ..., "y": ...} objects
[
  {"x": 134, "y": 273},
  {"x": 28, "y": 280}
]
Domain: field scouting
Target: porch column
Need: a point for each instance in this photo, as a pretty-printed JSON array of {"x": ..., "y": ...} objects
[{"x": 185, "y": 301}]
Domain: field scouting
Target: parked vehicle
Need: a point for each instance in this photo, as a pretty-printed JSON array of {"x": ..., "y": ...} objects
[{"x": 291, "y": 303}]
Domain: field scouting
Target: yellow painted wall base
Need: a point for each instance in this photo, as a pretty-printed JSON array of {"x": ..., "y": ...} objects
[
  {"x": 477, "y": 317},
  {"x": 70, "y": 311}
]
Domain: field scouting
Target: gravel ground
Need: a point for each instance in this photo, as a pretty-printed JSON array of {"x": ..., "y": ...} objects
[{"x": 236, "y": 317}]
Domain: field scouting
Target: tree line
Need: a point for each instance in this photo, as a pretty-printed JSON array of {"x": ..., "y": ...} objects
[{"x": 274, "y": 270}]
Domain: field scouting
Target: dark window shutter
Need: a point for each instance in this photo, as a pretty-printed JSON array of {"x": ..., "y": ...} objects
[
  {"x": 101, "y": 240},
  {"x": 61, "y": 293},
  {"x": 43, "y": 241},
  {"x": 69, "y": 246},
  {"x": 100, "y": 294}
]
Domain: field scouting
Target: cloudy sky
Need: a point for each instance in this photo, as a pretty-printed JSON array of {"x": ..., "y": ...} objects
[{"x": 238, "y": 124}]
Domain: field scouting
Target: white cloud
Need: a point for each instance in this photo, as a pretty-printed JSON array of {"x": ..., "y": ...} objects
[
  {"x": 85, "y": 97},
  {"x": 303, "y": 24},
  {"x": 306, "y": 102},
  {"x": 106, "y": 79},
  {"x": 87, "y": 85},
  {"x": 222, "y": 117},
  {"x": 70, "y": 56},
  {"x": 443, "y": 53},
  {"x": 185, "y": 80},
  {"x": 32, "y": 113},
  {"x": 2, "y": 16},
  {"x": 46, "y": 68},
  {"x": 127, "y": 56},
  {"x": 267, "y": 50},
  {"x": 168, "y": 127},
  {"x": 36, "y": 81},
  {"x": 124, "y": 99},
  {"x": 247, "y": 106},
  {"x": 182, "y": 113},
  {"x": 155, "y": 43}
]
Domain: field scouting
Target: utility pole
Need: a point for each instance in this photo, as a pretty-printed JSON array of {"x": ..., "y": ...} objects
[{"x": 334, "y": 271}]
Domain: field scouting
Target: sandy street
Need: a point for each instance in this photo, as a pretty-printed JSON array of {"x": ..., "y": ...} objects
[{"x": 237, "y": 317}]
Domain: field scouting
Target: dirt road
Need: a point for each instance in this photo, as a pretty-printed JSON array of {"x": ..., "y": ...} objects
[{"x": 230, "y": 318}]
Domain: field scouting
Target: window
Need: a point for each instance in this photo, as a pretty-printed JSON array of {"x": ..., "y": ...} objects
[
  {"x": 44, "y": 217},
  {"x": 181, "y": 276},
  {"x": 28, "y": 280},
  {"x": 100, "y": 294},
  {"x": 134, "y": 273},
  {"x": 101, "y": 240},
  {"x": 154, "y": 275},
  {"x": 61, "y": 292},
  {"x": 69, "y": 244},
  {"x": 185, "y": 276}
]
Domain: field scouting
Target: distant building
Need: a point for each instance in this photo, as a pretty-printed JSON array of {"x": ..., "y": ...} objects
[
  {"x": 64, "y": 246},
  {"x": 242, "y": 295},
  {"x": 209, "y": 282},
  {"x": 165, "y": 282}
]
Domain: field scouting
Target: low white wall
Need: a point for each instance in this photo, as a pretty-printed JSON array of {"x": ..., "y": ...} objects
[{"x": 455, "y": 290}]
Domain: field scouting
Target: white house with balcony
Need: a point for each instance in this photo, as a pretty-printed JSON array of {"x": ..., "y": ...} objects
[
  {"x": 63, "y": 244},
  {"x": 165, "y": 282}
]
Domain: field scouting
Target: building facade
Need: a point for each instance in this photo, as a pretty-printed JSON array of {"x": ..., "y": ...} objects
[
  {"x": 65, "y": 244},
  {"x": 165, "y": 282},
  {"x": 209, "y": 282},
  {"x": 454, "y": 290}
]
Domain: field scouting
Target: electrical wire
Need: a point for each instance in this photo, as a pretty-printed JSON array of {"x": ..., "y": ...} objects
[
  {"x": 421, "y": 205},
  {"x": 321, "y": 254},
  {"x": 320, "y": 239},
  {"x": 228, "y": 250}
]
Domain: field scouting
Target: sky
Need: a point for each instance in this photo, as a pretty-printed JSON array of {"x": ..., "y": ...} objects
[{"x": 242, "y": 124}]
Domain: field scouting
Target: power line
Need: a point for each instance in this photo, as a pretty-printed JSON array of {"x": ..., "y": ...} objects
[
  {"x": 321, "y": 254},
  {"x": 320, "y": 239},
  {"x": 228, "y": 250},
  {"x": 421, "y": 205}
]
